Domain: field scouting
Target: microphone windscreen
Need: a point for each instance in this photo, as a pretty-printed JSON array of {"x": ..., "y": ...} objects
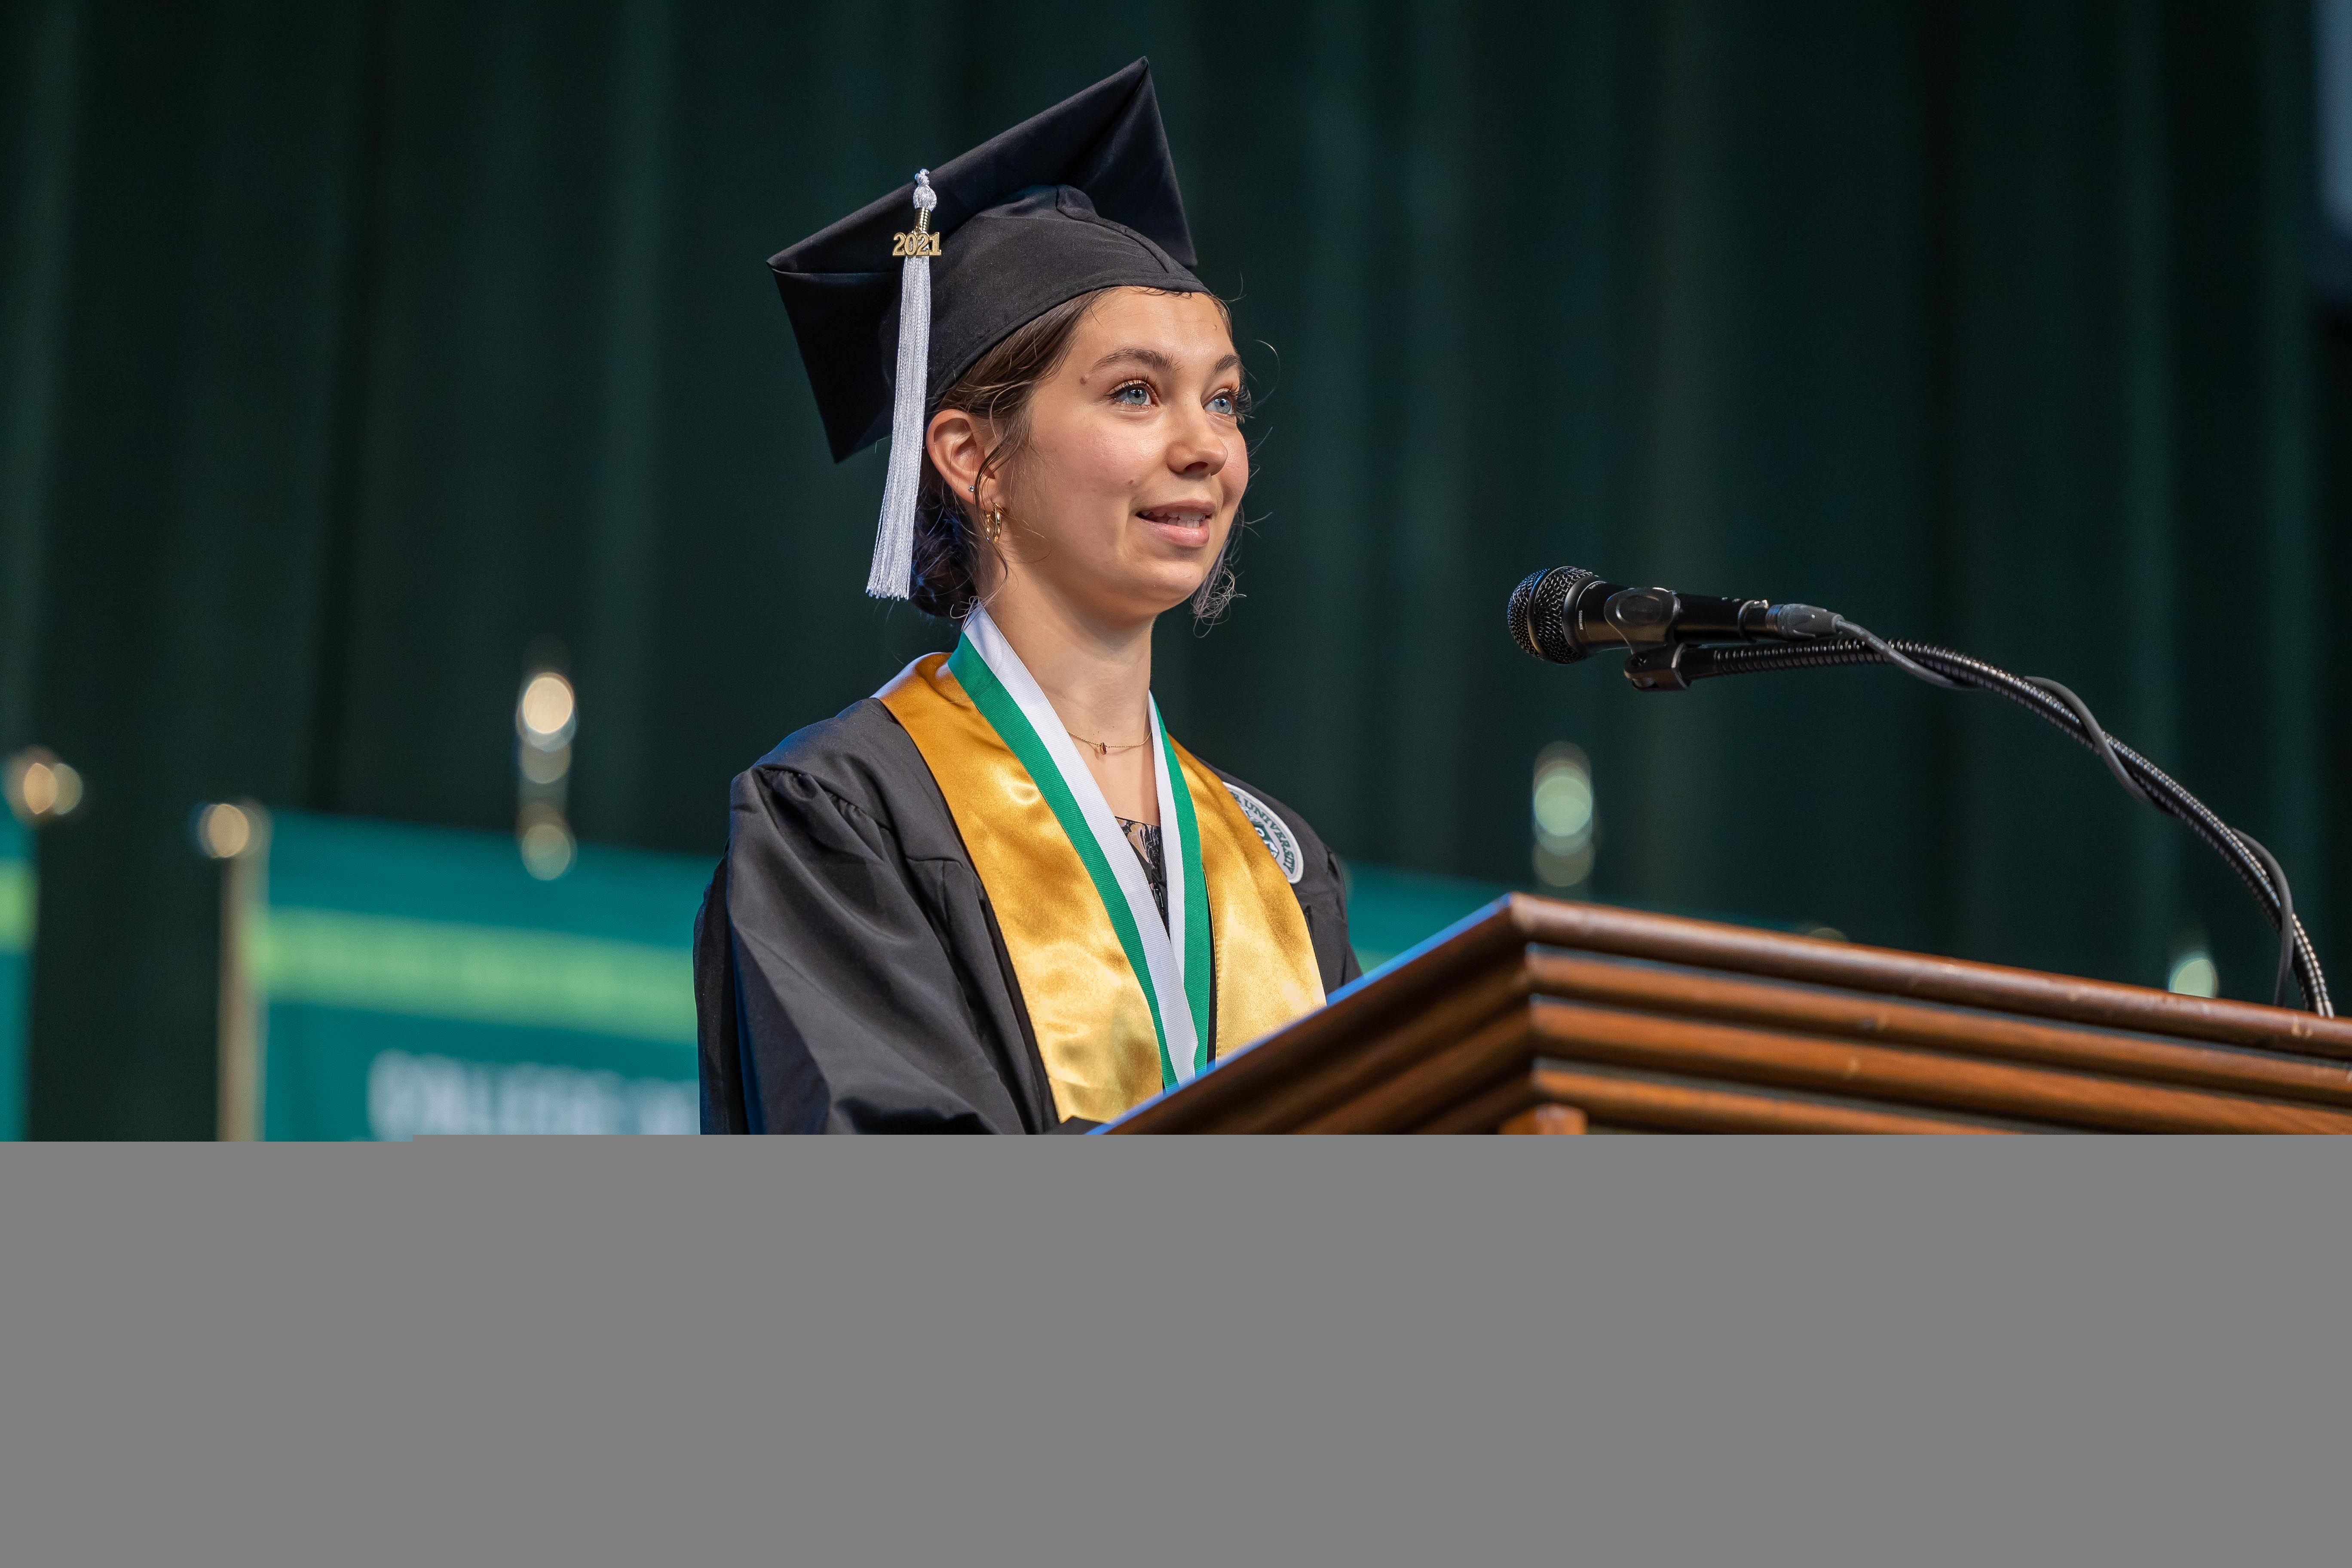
[{"x": 1536, "y": 624}]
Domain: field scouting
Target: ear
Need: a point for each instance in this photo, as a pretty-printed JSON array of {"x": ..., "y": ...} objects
[{"x": 958, "y": 445}]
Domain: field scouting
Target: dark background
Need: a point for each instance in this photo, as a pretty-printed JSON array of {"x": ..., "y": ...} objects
[{"x": 348, "y": 352}]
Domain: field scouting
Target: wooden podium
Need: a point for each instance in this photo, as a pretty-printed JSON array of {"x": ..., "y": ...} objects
[{"x": 1538, "y": 1015}]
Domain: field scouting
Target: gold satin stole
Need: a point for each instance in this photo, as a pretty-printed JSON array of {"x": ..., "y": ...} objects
[{"x": 1087, "y": 1005}]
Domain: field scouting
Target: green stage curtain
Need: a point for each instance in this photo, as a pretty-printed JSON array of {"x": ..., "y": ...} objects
[{"x": 352, "y": 350}]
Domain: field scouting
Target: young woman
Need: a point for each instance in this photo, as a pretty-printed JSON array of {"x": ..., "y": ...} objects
[{"x": 997, "y": 896}]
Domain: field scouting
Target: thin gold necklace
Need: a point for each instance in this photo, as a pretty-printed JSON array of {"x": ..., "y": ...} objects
[{"x": 1102, "y": 747}]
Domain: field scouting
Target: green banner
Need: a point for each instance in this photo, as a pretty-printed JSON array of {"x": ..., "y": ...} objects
[
  {"x": 18, "y": 888},
  {"x": 412, "y": 981}
]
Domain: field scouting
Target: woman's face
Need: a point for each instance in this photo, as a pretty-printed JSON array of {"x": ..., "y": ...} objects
[{"x": 1121, "y": 501}]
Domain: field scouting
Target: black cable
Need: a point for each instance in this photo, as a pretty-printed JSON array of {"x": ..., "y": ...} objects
[
  {"x": 2099, "y": 743},
  {"x": 2169, "y": 796},
  {"x": 2255, "y": 866},
  {"x": 2098, "y": 737},
  {"x": 2288, "y": 924},
  {"x": 1887, "y": 651}
]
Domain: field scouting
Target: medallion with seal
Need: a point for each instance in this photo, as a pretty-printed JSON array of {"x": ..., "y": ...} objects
[{"x": 1271, "y": 831}]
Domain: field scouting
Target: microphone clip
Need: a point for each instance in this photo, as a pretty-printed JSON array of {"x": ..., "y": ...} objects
[
  {"x": 1669, "y": 667},
  {"x": 1645, "y": 617}
]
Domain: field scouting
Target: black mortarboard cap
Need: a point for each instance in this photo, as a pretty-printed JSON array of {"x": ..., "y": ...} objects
[{"x": 1081, "y": 198}]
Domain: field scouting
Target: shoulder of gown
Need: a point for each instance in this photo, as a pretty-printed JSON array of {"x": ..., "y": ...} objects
[
  {"x": 864, "y": 759},
  {"x": 849, "y": 974}
]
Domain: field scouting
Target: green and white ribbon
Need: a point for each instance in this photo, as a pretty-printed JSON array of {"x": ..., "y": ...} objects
[{"x": 1171, "y": 961}]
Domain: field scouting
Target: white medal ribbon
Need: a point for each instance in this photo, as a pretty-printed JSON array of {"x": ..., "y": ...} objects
[{"x": 1163, "y": 946}]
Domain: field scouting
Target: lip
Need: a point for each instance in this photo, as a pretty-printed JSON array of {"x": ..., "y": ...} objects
[{"x": 1180, "y": 522}]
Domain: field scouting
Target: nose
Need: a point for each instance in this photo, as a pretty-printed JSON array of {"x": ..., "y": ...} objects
[{"x": 1197, "y": 450}]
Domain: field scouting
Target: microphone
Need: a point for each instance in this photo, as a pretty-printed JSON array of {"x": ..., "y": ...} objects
[{"x": 1563, "y": 615}]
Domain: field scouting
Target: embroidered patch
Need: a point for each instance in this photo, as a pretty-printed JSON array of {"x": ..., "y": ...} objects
[{"x": 1271, "y": 831}]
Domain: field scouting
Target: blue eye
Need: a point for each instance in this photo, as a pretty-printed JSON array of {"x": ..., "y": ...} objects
[
  {"x": 1134, "y": 395},
  {"x": 1222, "y": 403}
]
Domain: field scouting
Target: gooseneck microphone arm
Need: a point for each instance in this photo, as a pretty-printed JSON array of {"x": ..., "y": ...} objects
[{"x": 1564, "y": 614}]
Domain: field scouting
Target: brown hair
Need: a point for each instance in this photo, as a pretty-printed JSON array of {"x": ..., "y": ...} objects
[{"x": 997, "y": 390}]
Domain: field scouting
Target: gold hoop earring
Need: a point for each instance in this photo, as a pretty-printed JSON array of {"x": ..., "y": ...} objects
[{"x": 993, "y": 523}]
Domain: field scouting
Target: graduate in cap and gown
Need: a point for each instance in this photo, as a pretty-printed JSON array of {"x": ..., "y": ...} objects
[{"x": 998, "y": 895}]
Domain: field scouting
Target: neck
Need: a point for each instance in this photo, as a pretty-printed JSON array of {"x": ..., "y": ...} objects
[{"x": 1097, "y": 676}]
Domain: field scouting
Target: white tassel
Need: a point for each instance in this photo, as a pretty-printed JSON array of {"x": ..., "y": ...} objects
[{"x": 893, "y": 572}]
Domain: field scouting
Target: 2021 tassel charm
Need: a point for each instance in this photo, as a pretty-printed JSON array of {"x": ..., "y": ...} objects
[{"x": 892, "y": 575}]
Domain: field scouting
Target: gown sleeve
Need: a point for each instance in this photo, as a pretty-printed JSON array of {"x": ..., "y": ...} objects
[
  {"x": 1326, "y": 926},
  {"x": 842, "y": 977}
]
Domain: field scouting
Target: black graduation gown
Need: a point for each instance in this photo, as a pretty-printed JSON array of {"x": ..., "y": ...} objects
[{"x": 848, "y": 972}]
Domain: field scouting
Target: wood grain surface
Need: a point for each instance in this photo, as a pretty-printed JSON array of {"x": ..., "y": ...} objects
[
  {"x": 1546, "y": 1118},
  {"x": 1705, "y": 944},
  {"x": 1700, "y": 1107},
  {"x": 1695, "y": 993},
  {"x": 1726, "y": 1052},
  {"x": 1536, "y": 1009}
]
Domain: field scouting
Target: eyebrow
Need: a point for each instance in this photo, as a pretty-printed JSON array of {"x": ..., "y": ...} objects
[{"x": 1158, "y": 361}]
